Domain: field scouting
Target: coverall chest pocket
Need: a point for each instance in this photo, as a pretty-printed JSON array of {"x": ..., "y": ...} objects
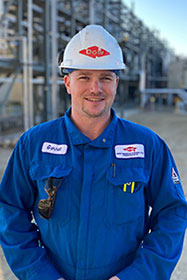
[
  {"x": 124, "y": 196},
  {"x": 40, "y": 173}
]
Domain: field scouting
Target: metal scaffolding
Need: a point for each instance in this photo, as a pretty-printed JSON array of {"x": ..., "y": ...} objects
[{"x": 32, "y": 33}]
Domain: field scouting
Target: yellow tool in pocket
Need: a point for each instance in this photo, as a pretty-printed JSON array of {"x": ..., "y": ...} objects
[{"x": 130, "y": 185}]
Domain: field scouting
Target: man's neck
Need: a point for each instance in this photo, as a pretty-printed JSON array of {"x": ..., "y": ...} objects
[{"x": 91, "y": 127}]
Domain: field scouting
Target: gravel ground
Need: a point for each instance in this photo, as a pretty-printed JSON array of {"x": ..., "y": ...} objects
[{"x": 173, "y": 129}]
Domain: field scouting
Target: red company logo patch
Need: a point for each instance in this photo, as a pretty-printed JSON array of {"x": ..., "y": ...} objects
[
  {"x": 94, "y": 52},
  {"x": 130, "y": 149}
]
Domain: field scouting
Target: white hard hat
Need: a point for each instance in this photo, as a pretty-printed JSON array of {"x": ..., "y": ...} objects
[{"x": 93, "y": 48}]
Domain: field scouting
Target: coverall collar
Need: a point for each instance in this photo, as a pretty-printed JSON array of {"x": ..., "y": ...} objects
[{"x": 102, "y": 141}]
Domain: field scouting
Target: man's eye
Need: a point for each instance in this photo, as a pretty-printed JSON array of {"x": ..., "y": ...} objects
[
  {"x": 106, "y": 78},
  {"x": 83, "y": 78}
]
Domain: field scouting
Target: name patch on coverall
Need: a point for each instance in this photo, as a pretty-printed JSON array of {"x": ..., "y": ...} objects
[
  {"x": 130, "y": 151},
  {"x": 53, "y": 148}
]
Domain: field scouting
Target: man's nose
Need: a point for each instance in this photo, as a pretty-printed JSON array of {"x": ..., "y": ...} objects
[{"x": 95, "y": 86}]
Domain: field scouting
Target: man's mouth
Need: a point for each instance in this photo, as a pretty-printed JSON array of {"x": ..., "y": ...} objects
[{"x": 92, "y": 99}]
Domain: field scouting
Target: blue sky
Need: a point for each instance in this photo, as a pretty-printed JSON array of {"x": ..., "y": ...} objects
[{"x": 169, "y": 17}]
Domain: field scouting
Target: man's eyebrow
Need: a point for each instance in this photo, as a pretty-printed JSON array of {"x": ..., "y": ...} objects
[
  {"x": 83, "y": 73},
  {"x": 88, "y": 73},
  {"x": 107, "y": 74}
]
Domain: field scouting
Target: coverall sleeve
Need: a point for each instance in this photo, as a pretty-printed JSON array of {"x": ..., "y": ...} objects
[
  {"x": 162, "y": 244},
  {"x": 18, "y": 235}
]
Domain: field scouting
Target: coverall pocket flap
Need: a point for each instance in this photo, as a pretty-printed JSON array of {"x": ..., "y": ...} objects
[
  {"x": 124, "y": 175},
  {"x": 41, "y": 170}
]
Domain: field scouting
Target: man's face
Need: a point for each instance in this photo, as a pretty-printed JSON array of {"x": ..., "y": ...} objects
[{"x": 92, "y": 92}]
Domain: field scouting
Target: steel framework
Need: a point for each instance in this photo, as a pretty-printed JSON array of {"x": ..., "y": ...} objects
[{"x": 32, "y": 32}]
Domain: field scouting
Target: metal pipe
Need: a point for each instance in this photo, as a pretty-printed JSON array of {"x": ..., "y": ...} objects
[
  {"x": 1, "y": 8},
  {"x": 47, "y": 97},
  {"x": 30, "y": 61},
  {"x": 92, "y": 11},
  {"x": 54, "y": 101},
  {"x": 8, "y": 90},
  {"x": 105, "y": 13},
  {"x": 19, "y": 27},
  {"x": 3, "y": 16},
  {"x": 36, "y": 81},
  {"x": 73, "y": 22},
  {"x": 24, "y": 62},
  {"x": 25, "y": 85}
]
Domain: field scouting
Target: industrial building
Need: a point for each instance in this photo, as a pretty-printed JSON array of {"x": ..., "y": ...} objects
[
  {"x": 33, "y": 32},
  {"x": 177, "y": 73}
]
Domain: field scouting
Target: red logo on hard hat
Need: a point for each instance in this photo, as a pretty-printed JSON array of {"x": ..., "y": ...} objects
[
  {"x": 94, "y": 52},
  {"x": 130, "y": 149}
]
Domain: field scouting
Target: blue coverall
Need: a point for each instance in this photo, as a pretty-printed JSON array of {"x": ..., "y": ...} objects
[{"x": 120, "y": 209}]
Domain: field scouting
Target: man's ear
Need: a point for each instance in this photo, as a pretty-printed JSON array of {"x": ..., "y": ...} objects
[
  {"x": 67, "y": 83},
  {"x": 117, "y": 81}
]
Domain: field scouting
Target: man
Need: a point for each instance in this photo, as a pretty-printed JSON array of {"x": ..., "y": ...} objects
[{"x": 105, "y": 193}]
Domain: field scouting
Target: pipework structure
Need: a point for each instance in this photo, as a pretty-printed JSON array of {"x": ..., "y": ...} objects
[{"x": 32, "y": 33}]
